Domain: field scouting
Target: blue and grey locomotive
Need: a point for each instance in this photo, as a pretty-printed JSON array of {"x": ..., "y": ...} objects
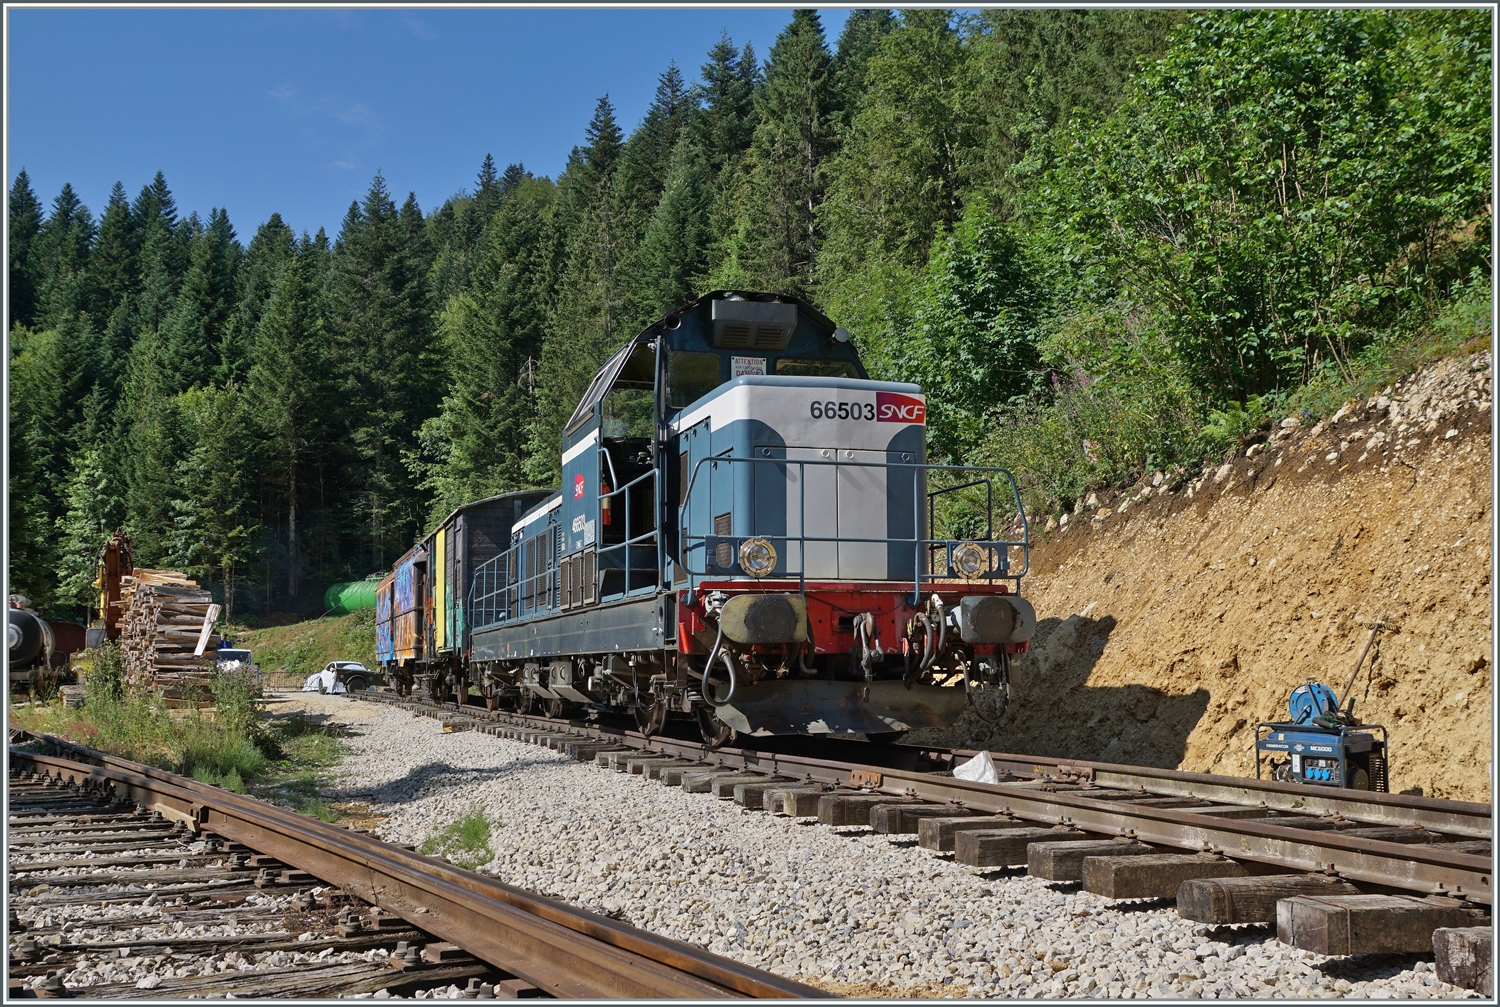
[{"x": 747, "y": 533}]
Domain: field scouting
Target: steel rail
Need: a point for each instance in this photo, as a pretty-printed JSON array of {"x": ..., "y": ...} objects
[
  {"x": 558, "y": 948},
  {"x": 1459, "y": 818},
  {"x": 1422, "y": 867}
]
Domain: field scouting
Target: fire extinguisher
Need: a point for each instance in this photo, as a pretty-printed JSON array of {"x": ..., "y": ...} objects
[{"x": 606, "y": 505}]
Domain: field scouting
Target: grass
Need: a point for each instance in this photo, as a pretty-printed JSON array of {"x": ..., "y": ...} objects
[
  {"x": 288, "y": 654},
  {"x": 194, "y": 743},
  {"x": 308, "y": 750},
  {"x": 465, "y": 842},
  {"x": 233, "y": 745},
  {"x": 1463, "y": 325}
]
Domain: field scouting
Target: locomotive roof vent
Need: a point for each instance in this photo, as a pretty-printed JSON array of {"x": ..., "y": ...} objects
[{"x": 753, "y": 325}]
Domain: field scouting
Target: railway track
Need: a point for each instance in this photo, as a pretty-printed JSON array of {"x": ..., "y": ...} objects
[
  {"x": 216, "y": 894},
  {"x": 1244, "y": 844}
]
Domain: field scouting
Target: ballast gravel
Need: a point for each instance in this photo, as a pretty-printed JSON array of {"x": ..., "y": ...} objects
[{"x": 846, "y": 909}]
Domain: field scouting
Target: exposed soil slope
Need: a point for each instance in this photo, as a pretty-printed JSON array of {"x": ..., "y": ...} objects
[{"x": 1173, "y": 621}]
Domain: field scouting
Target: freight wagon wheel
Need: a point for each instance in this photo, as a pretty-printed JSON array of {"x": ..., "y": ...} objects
[
  {"x": 523, "y": 702},
  {"x": 356, "y": 683},
  {"x": 715, "y": 732},
  {"x": 492, "y": 702},
  {"x": 554, "y": 709}
]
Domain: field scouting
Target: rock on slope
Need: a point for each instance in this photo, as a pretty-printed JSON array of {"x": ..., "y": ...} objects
[{"x": 1174, "y": 619}]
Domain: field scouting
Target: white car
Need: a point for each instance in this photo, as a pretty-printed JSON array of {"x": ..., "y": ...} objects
[{"x": 340, "y": 677}]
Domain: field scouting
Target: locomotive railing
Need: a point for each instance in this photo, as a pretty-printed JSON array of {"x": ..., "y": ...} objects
[
  {"x": 517, "y": 582},
  {"x": 932, "y": 557},
  {"x": 525, "y": 579},
  {"x": 631, "y": 547}
]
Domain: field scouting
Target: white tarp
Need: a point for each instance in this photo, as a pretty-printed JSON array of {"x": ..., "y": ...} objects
[
  {"x": 324, "y": 681},
  {"x": 980, "y": 769}
]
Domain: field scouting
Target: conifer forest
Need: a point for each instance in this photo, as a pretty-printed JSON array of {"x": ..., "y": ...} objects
[{"x": 1104, "y": 242}]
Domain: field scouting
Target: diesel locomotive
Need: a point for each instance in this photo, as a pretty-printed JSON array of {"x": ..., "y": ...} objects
[{"x": 747, "y": 534}]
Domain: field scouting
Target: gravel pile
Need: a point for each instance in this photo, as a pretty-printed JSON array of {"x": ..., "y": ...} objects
[{"x": 851, "y": 911}]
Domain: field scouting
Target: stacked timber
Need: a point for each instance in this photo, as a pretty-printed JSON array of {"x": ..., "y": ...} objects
[{"x": 165, "y": 617}]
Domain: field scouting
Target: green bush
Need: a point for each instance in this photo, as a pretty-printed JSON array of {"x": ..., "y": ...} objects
[{"x": 106, "y": 675}]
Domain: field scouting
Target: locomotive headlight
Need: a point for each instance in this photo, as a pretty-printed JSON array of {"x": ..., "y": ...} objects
[
  {"x": 968, "y": 560},
  {"x": 757, "y": 557}
]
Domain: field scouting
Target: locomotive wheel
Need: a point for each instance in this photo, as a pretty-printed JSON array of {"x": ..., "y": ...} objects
[
  {"x": 716, "y": 733},
  {"x": 554, "y": 709},
  {"x": 650, "y": 720}
]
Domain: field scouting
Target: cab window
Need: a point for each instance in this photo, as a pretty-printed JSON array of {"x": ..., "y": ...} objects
[
  {"x": 690, "y": 376},
  {"x": 628, "y": 412},
  {"x": 629, "y": 405},
  {"x": 806, "y": 367}
]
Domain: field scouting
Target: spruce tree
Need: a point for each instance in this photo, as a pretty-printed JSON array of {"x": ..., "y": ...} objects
[
  {"x": 590, "y": 312},
  {"x": 283, "y": 383},
  {"x": 38, "y": 463},
  {"x": 159, "y": 253},
  {"x": 487, "y": 177},
  {"x": 778, "y": 233},
  {"x": 25, "y": 226},
  {"x": 192, "y": 331},
  {"x": 153, "y": 438},
  {"x": 212, "y": 525},
  {"x": 383, "y": 355},
  {"x": 674, "y": 250},
  {"x": 860, "y": 40},
  {"x": 726, "y": 122},
  {"x": 490, "y": 332},
  {"x": 63, "y": 248},
  {"x": 92, "y": 500},
  {"x": 272, "y": 247},
  {"x": 511, "y": 180},
  {"x": 116, "y": 272}
]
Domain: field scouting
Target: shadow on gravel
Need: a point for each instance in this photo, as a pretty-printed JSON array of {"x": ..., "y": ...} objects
[
  {"x": 1357, "y": 968},
  {"x": 1143, "y": 905},
  {"x": 1001, "y": 874},
  {"x": 432, "y": 774}
]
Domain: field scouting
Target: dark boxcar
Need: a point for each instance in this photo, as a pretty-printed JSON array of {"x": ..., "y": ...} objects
[{"x": 464, "y": 540}]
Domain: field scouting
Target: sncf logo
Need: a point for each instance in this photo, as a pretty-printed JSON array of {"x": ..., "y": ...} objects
[
  {"x": 891, "y": 407},
  {"x": 578, "y": 486}
]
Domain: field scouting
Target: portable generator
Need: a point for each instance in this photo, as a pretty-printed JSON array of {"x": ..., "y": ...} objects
[{"x": 1322, "y": 744}]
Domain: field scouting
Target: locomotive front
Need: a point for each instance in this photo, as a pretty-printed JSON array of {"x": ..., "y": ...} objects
[{"x": 829, "y": 579}]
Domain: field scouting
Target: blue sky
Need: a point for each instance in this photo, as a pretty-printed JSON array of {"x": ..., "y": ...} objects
[{"x": 294, "y": 110}]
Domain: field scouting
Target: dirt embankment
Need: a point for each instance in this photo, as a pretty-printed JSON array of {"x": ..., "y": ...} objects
[{"x": 1173, "y": 621}]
